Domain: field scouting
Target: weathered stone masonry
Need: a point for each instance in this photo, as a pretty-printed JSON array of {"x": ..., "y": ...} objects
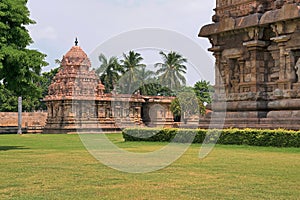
[
  {"x": 256, "y": 44},
  {"x": 32, "y": 122}
]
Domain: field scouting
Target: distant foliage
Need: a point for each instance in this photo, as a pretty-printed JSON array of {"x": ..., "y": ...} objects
[
  {"x": 44, "y": 84},
  {"x": 191, "y": 101},
  {"x": 252, "y": 137},
  {"x": 186, "y": 104},
  {"x": 109, "y": 71},
  {"x": 203, "y": 90},
  {"x": 130, "y": 76},
  {"x": 47, "y": 78},
  {"x": 132, "y": 66}
]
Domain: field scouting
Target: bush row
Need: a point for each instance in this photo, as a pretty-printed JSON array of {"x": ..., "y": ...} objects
[{"x": 254, "y": 137}]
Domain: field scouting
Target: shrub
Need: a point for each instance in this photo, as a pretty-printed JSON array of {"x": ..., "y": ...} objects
[{"x": 254, "y": 137}]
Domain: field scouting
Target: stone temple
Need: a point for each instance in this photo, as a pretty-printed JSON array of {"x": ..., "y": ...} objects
[
  {"x": 256, "y": 44},
  {"x": 76, "y": 102}
]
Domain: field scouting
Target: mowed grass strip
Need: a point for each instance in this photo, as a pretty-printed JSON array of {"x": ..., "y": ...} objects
[{"x": 59, "y": 167}]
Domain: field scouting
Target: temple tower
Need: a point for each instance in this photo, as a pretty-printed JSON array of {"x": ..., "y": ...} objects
[
  {"x": 71, "y": 100},
  {"x": 256, "y": 44}
]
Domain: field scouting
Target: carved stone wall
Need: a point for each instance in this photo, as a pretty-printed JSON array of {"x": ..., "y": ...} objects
[
  {"x": 157, "y": 113},
  {"x": 238, "y": 8},
  {"x": 257, "y": 61}
]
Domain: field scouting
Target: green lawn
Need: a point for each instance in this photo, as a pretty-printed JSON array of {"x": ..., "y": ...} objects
[{"x": 59, "y": 167}]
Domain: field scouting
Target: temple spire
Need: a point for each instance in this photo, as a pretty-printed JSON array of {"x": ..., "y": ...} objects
[{"x": 76, "y": 42}]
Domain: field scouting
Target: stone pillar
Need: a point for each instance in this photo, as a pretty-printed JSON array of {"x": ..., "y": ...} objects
[
  {"x": 219, "y": 82},
  {"x": 62, "y": 109},
  {"x": 101, "y": 110},
  {"x": 49, "y": 109},
  {"x": 242, "y": 70},
  {"x": 67, "y": 109},
  {"x": 287, "y": 74},
  {"x": 225, "y": 69},
  {"x": 19, "y": 115},
  {"x": 257, "y": 63}
]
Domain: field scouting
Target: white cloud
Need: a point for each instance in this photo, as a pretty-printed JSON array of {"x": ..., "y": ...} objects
[{"x": 43, "y": 33}]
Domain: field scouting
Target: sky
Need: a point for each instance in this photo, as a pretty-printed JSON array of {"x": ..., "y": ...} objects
[{"x": 99, "y": 23}]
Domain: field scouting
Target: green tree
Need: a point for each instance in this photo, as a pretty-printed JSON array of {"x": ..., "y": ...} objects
[
  {"x": 47, "y": 78},
  {"x": 146, "y": 81},
  {"x": 131, "y": 65},
  {"x": 44, "y": 84},
  {"x": 186, "y": 105},
  {"x": 20, "y": 68},
  {"x": 203, "y": 90},
  {"x": 149, "y": 85},
  {"x": 109, "y": 72},
  {"x": 8, "y": 101},
  {"x": 171, "y": 71},
  {"x": 163, "y": 91},
  {"x": 156, "y": 89}
]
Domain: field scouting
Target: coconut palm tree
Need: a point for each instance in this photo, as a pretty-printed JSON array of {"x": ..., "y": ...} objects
[
  {"x": 171, "y": 71},
  {"x": 149, "y": 84},
  {"x": 146, "y": 81},
  {"x": 132, "y": 65},
  {"x": 109, "y": 72}
]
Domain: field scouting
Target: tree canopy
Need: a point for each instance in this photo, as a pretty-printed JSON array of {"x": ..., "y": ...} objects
[
  {"x": 132, "y": 76},
  {"x": 203, "y": 90},
  {"x": 20, "y": 68},
  {"x": 171, "y": 71},
  {"x": 109, "y": 72},
  {"x": 187, "y": 104},
  {"x": 192, "y": 100},
  {"x": 131, "y": 64}
]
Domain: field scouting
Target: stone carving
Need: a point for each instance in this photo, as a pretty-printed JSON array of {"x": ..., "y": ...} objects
[
  {"x": 227, "y": 14},
  {"x": 297, "y": 68},
  {"x": 215, "y": 18},
  {"x": 261, "y": 8},
  {"x": 279, "y": 3},
  {"x": 255, "y": 33},
  {"x": 240, "y": 8},
  {"x": 213, "y": 40},
  {"x": 252, "y": 9},
  {"x": 278, "y": 28},
  {"x": 234, "y": 76}
]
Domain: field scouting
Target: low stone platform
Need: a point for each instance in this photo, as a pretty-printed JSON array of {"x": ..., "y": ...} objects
[{"x": 32, "y": 122}]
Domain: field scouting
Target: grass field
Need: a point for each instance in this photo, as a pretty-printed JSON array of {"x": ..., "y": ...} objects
[{"x": 59, "y": 167}]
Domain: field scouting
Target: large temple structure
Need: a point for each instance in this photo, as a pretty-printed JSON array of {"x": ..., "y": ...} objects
[
  {"x": 77, "y": 103},
  {"x": 256, "y": 44}
]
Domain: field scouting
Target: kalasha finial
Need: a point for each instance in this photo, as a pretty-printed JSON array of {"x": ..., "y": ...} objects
[{"x": 76, "y": 42}]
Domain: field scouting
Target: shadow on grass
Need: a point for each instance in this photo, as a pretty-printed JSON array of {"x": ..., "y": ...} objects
[{"x": 7, "y": 148}]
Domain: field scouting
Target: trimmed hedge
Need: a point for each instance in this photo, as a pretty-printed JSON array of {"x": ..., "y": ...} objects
[{"x": 253, "y": 137}]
